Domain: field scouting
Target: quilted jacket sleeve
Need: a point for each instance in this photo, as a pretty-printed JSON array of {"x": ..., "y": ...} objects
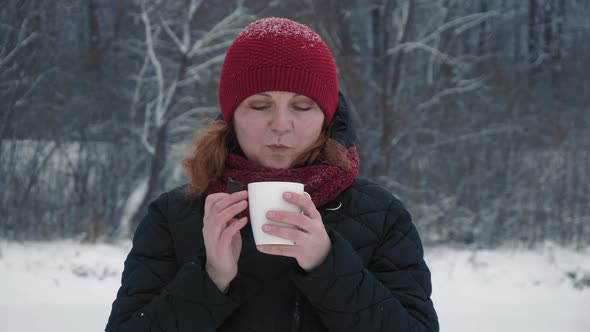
[
  {"x": 158, "y": 295},
  {"x": 391, "y": 294}
]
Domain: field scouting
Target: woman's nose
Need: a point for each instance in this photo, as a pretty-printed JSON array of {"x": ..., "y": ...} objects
[{"x": 281, "y": 120}]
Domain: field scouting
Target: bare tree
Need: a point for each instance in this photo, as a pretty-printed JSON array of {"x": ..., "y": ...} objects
[
  {"x": 178, "y": 53},
  {"x": 472, "y": 112},
  {"x": 19, "y": 77}
]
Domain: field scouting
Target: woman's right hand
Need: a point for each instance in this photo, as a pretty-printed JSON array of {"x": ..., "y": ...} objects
[{"x": 221, "y": 232}]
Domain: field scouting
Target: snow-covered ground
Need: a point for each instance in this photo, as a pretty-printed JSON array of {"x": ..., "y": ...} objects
[{"x": 66, "y": 287}]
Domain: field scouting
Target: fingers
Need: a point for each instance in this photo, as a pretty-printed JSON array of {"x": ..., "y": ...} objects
[
  {"x": 288, "y": 233},
  {"x": 222, "y": 201},
  {"x": 291, "y": 218},
  {"x": 233, "y": 229},
  {"x": 225, "y": 206},
  {"x": 311, "y": 241},
  {"x": 220, "y": 210},
  {"x": 212, "y": 199},
  {"x": 230, "y": 212},
  {"x": 304, "y": 202},
  {"x": 280, "y": 250},
  {"x": 309, "y": 250},
  {"x": 304, "y": 221}
]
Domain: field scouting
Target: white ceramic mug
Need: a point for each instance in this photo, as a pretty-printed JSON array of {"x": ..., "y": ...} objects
[{"x": 267, "y": 196}]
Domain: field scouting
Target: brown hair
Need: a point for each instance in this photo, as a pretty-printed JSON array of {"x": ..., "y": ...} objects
[{"x": 212, "y": 144}]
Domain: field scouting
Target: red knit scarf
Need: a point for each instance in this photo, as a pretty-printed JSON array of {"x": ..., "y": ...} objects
[{"x": 323, "y": 182}]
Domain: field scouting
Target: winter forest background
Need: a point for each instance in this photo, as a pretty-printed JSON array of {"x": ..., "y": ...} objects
[{"x": 474, "y": 113}]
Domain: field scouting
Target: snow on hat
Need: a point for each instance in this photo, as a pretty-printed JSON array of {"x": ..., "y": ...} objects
[{"x": 277, "y": 54}]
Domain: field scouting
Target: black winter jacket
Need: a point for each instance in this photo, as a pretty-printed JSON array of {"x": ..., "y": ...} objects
[{"x": 374, "y": 278}]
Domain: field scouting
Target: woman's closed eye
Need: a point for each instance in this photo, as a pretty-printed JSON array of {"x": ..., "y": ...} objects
[
  {"x": 302, "y": 108},
  {"x": 259, "y": 107}
]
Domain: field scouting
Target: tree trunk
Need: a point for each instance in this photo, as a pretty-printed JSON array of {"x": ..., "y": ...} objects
[
  {"x": 533, "y": 42},
  {"x": 482, "y": 42},
  {"x": 94, "y": 56},
  {"x": 390, "y": 83},
  {"x": 158, "y": 161},
  {"x": 558, "y": 51},
  {"x": 548, "y": 27}
]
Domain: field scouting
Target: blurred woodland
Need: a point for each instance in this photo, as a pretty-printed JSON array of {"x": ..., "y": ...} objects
[{"x": 474, "y": 113}]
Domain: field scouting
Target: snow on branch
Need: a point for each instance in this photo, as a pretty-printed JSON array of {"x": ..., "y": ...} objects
[
  {"x": 475, "y": 19},
  {"x": 194, "y": 112},
  {"x": 404, "y": 18},
  {"x": 22, "y": 99},
  {"x": 194, "y": 6},
  {"x": 459, "y": 25},
  {"x": 220, "y": 46},
  {"x": 159, "y": 109},
  {"x": 464, "y": 86},
  {"x": 138, "y": 87},
  {"x": 225, "y": 27},
  {"x": 146, "y": 128},
  {"x": 193, "y": 72},
  {"x": 27, "y": 40},
  {"x": 167, "y": 100},
  {"x": 182, "y": 46},
  {"x": 182, "y": 130},
  {"x": 411, "y": 46}
]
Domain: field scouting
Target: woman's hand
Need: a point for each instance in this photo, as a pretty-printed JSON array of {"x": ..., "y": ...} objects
[
  {"x": 221, "y": 232},
  {"x": 312, "y": 243}
]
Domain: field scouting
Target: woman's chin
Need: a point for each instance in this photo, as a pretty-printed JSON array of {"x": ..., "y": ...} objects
[{"x": 278, "y": 163}]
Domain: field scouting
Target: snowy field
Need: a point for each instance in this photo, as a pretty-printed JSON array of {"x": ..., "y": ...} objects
[{"x": 67, "y": 287}]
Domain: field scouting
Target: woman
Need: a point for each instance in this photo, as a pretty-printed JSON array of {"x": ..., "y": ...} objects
[{"x": 357, "y": 263}]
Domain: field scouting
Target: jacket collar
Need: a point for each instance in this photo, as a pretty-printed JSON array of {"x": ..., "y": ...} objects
[{"x": 342, "y": 129}]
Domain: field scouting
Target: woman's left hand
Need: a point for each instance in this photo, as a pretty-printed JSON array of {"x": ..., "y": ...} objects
[{"x": 312, "y": 243}]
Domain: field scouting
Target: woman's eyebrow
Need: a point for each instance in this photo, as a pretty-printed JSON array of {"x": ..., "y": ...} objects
[{"x": 300, "y": 95}]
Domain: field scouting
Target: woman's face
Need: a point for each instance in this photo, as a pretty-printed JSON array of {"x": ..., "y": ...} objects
[{"x": 275, "y": 128}]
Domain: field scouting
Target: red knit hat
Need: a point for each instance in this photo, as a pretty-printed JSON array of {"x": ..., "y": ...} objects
[{"x": 277, "y": 54}]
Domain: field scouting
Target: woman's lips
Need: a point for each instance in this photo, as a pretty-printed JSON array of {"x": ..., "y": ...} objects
[{"x": 278, "y": 147}]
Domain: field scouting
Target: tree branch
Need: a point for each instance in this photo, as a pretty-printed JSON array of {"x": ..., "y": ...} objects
[
  {"x": 410, "y": 46},
  {"x": 146, "y": 129},
  {"x": 21, "y": 99},
  {"x": 182, "y": 46},
  {"x": 468, "y": 85},
  {"x": 220, "y": 46},
  {"x": 197, "y": 112},
  {"x": 221, "y": 29},
  {"x": 138, "y": 86},
  {"x": 159, "y": 110},
  {"x": 193, "y": 72},
  {"x": 17, "y": 48}
]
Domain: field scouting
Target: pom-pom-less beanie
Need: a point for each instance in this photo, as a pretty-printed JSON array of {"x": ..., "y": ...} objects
[{"x": 277, "y": 54}]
